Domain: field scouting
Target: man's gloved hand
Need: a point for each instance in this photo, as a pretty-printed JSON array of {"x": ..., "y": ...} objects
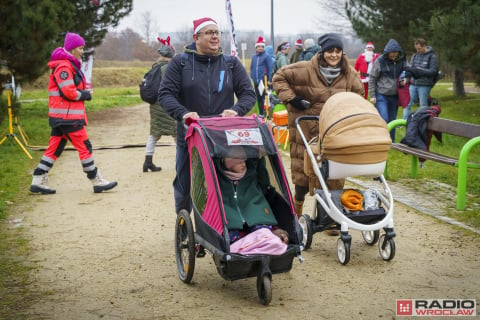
[
  {"x": 85, "y": 95},
  {"x": 300, "y": 103},
  {"x": 412, "y": 72}
]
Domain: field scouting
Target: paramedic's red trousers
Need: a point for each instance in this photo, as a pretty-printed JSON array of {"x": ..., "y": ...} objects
[{"x": 56, "y": 145}]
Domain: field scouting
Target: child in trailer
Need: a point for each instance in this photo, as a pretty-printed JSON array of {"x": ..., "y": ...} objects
[{"x": 242, "y": 182}]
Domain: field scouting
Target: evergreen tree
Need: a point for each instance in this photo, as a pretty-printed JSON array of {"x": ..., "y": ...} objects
[
  {"x": 94, "y": 17},
  {"x": 456, "y": 34},
  {"x": 380, "y": 20},
  {"x": 450, "y": 26},
  {"x": 28, "y": 35},
  {"x": 31, "y": 29}
]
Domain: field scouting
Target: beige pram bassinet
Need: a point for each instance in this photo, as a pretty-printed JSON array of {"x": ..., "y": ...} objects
[{"x": 353, "y": 141}]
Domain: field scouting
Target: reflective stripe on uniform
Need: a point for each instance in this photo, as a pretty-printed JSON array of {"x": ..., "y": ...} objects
[
  {"x": 57, "y": 94},
  {"x": 65, "y": 111},
  {"x": 65, "y": 83}
]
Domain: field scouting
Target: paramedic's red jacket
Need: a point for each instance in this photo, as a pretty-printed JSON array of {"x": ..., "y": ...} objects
[{"x": 66, "y": 91}]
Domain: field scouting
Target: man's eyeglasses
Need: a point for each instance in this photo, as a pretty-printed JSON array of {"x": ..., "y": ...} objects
[{"x": 211, "y": 33}]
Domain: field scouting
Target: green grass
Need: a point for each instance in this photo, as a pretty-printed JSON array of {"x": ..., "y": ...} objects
[{"x": 15, "y": 177}]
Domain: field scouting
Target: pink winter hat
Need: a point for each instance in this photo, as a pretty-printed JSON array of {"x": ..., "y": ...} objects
[{"x": 72, "y": 41}]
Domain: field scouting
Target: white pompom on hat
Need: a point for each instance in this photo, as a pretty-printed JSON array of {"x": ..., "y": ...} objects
[
  {"x": 260, "y": 42},
  {"x": 202, "y": 22}
]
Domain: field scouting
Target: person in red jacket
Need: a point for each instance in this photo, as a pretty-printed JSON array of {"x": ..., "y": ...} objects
[
  {"x": 67, "y": 116},
  {"x": 364, "y": 64}
]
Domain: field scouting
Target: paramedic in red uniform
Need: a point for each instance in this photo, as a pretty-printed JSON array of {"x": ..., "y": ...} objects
[{"x": 67, "y": 117}]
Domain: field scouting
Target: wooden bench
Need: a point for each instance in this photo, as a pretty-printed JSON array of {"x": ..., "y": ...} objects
[{"x": 456, "y": 128}]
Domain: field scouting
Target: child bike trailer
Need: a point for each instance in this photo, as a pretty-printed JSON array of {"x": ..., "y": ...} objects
[{"x": 205, "y": 229}]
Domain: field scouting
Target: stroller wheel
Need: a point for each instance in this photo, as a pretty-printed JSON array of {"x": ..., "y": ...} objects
[
  {"x": 371, "y": 237},
  {"x": 184, "y": 246},
  {"x": 343, "y": 251},
  {"x": 264, "y": 289},
  {"x": 307, "y": 230},
  {"x": 386, "y": 248}
]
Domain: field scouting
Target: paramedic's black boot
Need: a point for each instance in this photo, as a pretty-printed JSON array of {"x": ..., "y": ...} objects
[
  {"x": 148, "y": 165},
  {"x": 100, "y": 184}
]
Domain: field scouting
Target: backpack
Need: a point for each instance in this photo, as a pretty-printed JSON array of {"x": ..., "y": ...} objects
[
  {"x": 275, "y": 66},
  {"x": 150, "y": 84}
]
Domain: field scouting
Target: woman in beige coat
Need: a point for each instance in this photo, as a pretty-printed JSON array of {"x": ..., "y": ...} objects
[{"x": 305, "y": 87}]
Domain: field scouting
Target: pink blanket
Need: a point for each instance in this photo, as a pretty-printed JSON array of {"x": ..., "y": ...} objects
[{"x": 261, "y": 241}]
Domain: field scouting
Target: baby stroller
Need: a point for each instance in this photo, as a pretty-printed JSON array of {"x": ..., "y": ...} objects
[
  {"x": 208, "y": 140},
  {"x": 353, "y": 142}
]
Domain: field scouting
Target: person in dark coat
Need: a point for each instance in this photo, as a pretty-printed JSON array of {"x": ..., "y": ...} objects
[
  {"x": 383, "y": 79},
  {"x": 421, "y": 73},
  {"x": 198, "y": 83}
]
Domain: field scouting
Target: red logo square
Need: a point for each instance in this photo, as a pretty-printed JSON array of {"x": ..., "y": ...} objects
[{"x": 404, "y": 307}]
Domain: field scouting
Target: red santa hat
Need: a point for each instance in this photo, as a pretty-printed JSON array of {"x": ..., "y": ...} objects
[
  {"x": 260, "y": 42},
  {"x": 299, "y": 42},
  {"x": 202, "y": 22},
  {"x": 369, "y": 45}
]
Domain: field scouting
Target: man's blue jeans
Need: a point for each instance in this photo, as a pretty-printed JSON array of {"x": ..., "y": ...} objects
[
  {"x": 417, "y": 93},
  {"x": 387, "y": 106},
  {"x": 181, "y": 184}
]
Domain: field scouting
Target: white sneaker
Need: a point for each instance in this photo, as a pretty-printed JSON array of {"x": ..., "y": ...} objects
[
  {"x": 39, "y": 184},
  {"x": 100, "y": 184}
]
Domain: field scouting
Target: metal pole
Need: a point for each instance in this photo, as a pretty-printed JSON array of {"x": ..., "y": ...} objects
[{"x": 272, "y": 37}]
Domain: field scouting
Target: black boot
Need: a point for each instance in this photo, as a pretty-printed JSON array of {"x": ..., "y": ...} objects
[{"x": 148, "y": 164}]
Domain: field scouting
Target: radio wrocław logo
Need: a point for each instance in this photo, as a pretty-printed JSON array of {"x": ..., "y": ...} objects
[{"x": 437, "y": 307}]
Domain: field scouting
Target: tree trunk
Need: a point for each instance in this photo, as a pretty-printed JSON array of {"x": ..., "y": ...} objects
[{"x": 458, "y": 85}]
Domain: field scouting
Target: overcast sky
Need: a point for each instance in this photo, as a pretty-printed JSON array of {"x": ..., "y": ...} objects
[{"x": 293, "y": 17}]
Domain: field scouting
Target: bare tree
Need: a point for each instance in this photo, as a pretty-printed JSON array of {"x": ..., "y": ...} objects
[
  {"x": 148, "y": 26},
  {"x": 335, "y": 18}
]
